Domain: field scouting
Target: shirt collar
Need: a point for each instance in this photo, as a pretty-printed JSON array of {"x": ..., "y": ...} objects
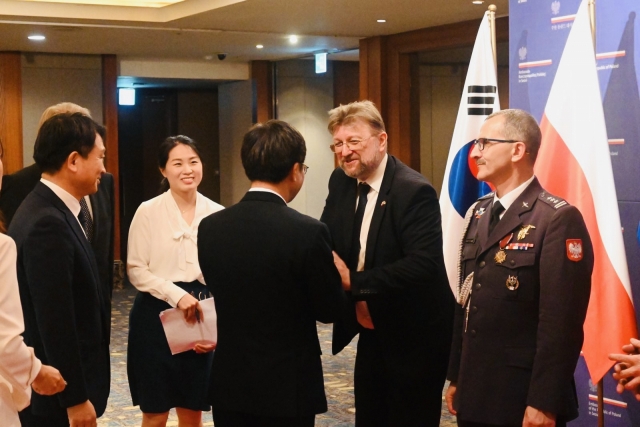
[
  {"x": 71, "y": 202},
  {"x": 375, "y": 180},
  {"x": 508, "y": 199},
  {"x": 267, "y": 190}
]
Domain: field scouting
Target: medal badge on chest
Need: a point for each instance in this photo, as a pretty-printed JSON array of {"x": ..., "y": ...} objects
[
  {"x": 524, "y": 231},
  {"x": 512, "y": 283},
  {"x": 501, "y": 255}
]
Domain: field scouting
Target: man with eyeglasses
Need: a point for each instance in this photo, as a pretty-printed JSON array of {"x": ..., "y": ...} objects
[
  {"x": 271, "y": 272},
  {"x": 524, "y": 284},
  {"x": 385, "y": 223}
]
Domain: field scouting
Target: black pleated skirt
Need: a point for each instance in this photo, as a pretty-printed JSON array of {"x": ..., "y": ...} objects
[{"x": 158, "y": 380}]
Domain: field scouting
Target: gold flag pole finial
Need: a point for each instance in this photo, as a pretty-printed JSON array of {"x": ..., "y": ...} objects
[
  {"x": 592, "y": 18},
  {"x": 492, "y": 26}
]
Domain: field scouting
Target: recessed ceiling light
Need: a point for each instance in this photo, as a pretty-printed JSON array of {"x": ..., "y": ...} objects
[
  {"x": 293, "y": 39},
  {"x": 208, "y": 57},
  {"x": 259, "y": 46},
  {"x": 477, "y": 1},
  {"x": 36, "y": 37},
  {"x": 382, "y": 20}
]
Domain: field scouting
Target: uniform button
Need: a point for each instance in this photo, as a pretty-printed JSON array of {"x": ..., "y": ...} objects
[
  {"x": 474, "y": 309},
  {"x": 513, "y": 262},
  {"x": 473, "y": 332},
  {"x": 478, "y": 286},
  {"x": 482, "y": 264}
]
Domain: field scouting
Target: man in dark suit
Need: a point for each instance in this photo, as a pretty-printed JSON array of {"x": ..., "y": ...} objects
[
  {"x": 384, "y": 219},
  {"x": 101, "y": 204},
  {"x": 64, "y": 306},
  {"x": 525, "y": 278},
  {"x": 271, "y": 272}
]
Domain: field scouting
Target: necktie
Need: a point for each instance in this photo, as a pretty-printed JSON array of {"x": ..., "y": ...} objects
[
  {"x": 85, "y": 219},
  {"x": 362, "y": 311},
  {"x": 496, "y": 210},
  {"x": 354, "y": 255}
]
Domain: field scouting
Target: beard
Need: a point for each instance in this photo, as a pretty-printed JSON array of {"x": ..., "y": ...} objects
[{"x": 365, "y": 167}]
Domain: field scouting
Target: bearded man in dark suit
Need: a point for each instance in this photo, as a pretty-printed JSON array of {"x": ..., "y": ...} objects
[
  {"x": 384, "y": 219},
  {"x": 65, "y": 309},
  {"x": 271, "y": 273}
]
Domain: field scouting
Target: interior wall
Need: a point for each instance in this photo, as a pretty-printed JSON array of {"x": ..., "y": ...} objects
[
  {"x": 440, "y": 91},
  {"x": 235, "y": 102},
  {"x": 303, "y": 100},
  {"x": 49, "y": 79}
]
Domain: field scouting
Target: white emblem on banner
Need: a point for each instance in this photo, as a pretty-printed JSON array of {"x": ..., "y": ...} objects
[
  {"x": 555, "y": 7},
  {"x": 522, "y": 53}
]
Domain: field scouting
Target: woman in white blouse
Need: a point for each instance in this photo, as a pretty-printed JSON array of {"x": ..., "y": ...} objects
[
  {"x": 162, "y": 264},
  {"x": 19, "y": 367}
]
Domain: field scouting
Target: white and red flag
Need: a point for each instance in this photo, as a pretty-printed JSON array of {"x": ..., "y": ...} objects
[
  {"x": 574, "y": 163},
  {"x": 460, "y": 187}
]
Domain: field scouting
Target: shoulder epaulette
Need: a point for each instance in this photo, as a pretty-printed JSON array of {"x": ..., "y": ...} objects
[
  {"x": 553, "y": 201},
  {"x": 486, "y": 196}
]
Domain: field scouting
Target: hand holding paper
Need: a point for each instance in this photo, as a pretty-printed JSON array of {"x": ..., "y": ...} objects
[{"x": 184, "y": 336}]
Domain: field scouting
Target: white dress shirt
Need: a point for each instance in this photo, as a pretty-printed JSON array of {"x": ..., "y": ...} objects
[
  {"x": 18, "y": 364},
  {"x": 507, "y": 199},
  {"x": 163, "y": 248},
  {"x": 375, "y": 182}
]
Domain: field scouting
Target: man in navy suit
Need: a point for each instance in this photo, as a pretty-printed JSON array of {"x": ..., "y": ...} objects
[
  {"x": 271, "y": 272},
  {"x": 384, "y": 219},
  {"x": 65, "y": 308}
]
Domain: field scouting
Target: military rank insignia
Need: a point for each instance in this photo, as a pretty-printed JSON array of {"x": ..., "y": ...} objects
[
  {"x": 574, "y": 249},
  {"x": 480, "y": 212}
]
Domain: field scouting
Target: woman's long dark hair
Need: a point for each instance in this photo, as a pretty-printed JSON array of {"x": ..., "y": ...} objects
[{"x": 164, "y": 150}]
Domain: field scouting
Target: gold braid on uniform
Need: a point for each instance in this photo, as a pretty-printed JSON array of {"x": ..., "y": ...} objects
[{"x": 464, "y": 287}]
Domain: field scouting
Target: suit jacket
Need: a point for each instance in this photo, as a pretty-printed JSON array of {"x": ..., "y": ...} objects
[
  {"x": 271, "y": 272},
  {"x": 17, "y": 186},
  {"x": 65, "y": 311},
  {"x": 524, "y": 332},
  {"x": 404, "y": 281}
]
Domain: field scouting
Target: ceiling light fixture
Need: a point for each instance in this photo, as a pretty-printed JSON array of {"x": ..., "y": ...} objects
[
  {"x": 477, "y": 1},
  {"x": 293, "y": 39},
  {"x": 382, "y": 21},
  {"x": 36, "y": 37},
  {"x": 259, "y": 46}
]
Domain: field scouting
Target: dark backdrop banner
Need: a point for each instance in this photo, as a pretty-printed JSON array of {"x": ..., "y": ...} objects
[{"x": 538, "y": 33}]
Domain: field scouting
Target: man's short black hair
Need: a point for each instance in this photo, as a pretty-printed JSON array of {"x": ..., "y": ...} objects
[
  {"x": 63, "y": 134},
  {"x": 269, "y": 151}
]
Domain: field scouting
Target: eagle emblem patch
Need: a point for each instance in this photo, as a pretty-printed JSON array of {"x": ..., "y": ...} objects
[{"x": 574, "y": 249}]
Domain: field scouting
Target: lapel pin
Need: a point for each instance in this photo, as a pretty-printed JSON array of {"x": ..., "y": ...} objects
[
  {"x": 525, "y": 204},
  {"x": 479, "y": 213},
  {"x": 384, "y": 202}
]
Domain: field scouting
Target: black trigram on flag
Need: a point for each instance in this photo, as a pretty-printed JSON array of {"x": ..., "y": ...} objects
[{"x": 481, "y": 95}]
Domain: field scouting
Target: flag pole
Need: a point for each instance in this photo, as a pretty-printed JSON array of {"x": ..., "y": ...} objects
[
  {"x": 492, "y": 26},
  {"x": 592, "y": 19}
]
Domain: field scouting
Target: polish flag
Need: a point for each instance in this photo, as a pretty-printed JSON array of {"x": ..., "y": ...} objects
[
  {"x": 574, "y": 163},
  {"x": 460, "y": 187}
]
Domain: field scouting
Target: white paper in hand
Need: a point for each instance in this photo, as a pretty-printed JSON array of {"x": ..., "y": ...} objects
[{"x": 183, "y": 336}]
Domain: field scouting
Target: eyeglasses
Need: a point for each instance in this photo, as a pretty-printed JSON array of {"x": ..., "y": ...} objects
[
  {"x": 353, "y": 144},
  {"x": 481, "y": 142},
  {"x": 305, "y": 168}
]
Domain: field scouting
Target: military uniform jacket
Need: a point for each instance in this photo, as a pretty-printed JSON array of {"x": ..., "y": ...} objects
[{"x": 518, "y": 343}]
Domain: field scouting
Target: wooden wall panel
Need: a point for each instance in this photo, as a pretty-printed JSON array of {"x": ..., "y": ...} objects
[
  {"x": 262, "y": 73},
  {"x": 11, "y": 110},
  {"x": 110, "y": 120},
  {"x": 345, "y": 82},
  {"x": 386, "y": 75}
]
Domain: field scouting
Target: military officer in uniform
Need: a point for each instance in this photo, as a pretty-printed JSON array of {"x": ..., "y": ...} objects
[{"x": 524, "y": 284}]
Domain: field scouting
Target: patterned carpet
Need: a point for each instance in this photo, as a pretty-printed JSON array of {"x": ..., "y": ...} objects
[{"x": 338, "y": 375}]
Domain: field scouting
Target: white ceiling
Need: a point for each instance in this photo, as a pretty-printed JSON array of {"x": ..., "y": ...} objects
[{"x": 194, "y": 29}]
